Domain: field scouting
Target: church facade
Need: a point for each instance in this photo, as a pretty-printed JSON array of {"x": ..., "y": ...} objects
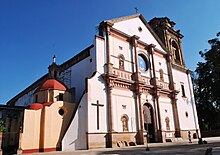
[{"x": 130, "y": 83}]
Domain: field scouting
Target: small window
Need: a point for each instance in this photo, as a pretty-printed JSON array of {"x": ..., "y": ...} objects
[
  {"x": 140, "y": 29},
  {"x": 183, "y": 91},
  {"x": 61, "y": 111},
  {"x": 187, "y": 115},
  {"x": 60, "y": 97}
]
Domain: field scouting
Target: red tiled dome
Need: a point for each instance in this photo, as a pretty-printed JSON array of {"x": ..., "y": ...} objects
[
  {"x": 52, "y": 84},
  {"x": 35, "y": 106}
]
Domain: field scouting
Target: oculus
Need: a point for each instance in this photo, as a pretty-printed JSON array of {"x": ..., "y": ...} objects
[{"x": 142, "y": 63}]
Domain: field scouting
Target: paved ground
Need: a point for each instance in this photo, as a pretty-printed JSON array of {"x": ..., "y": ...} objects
[{"x": 174, "y": 148}]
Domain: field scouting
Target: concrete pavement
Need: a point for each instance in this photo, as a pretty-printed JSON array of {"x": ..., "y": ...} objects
[{"x": 171, "y": 148}]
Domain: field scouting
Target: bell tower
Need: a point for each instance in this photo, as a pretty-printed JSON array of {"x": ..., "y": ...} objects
[
  {"x": 54, "y": 70},
  {"x": 172, "y": 39}
]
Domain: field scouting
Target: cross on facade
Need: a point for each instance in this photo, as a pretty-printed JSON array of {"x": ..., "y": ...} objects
[{"x": 98, "y": 105}]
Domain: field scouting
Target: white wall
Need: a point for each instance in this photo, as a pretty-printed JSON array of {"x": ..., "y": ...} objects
[
  {"x": 75, "y": 137},
  {"x": 97, "y": 92},
  {"x": 166, "y": 110},
  {"x": 185, "y": 104},
  {"x": 131, "y": 26},
  {"x": 123, "y": 103},
  {"x": 80, "y": 71}
]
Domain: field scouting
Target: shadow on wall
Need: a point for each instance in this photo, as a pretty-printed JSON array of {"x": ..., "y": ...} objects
[{"x": 68, "y": 112}]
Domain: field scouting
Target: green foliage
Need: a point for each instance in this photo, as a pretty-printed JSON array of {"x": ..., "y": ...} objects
[{"x": 206, "y": 82}]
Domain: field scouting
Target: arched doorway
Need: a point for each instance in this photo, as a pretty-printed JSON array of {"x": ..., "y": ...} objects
[{"x": 149, "y": 121}]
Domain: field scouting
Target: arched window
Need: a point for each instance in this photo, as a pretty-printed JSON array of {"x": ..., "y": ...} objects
[
  {"x": 161, "y": 75},
  {"x": 124, "y": 120},
  {"x": 121, "y": 61},
  {"x": 176, "y": 51},
  {"x": 167, "y": 120}
]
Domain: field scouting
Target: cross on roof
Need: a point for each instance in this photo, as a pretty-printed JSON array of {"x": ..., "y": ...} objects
[{"x": 136, "y": 9}]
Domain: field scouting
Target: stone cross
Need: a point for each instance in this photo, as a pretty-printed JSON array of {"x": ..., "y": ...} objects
[{"x": 98, "y": 105}]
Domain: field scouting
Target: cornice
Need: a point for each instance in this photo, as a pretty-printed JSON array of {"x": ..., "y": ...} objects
[{"x": 179, "y": 68}]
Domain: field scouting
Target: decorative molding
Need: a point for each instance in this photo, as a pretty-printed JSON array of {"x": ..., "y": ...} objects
[{"x": 179, "y": 68}]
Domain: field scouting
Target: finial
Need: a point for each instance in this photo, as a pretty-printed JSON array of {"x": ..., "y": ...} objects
[
  {"x": 136, "y": 9},
  {"x": 54, "y": 58}
]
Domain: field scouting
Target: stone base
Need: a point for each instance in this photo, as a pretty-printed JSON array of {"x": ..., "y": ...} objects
[
  {"x": 96, "y": 140},
  {"x": 101, "y": 140},
  {"x": 123, "y": 139},
  {"x": 170, "y": 135}
]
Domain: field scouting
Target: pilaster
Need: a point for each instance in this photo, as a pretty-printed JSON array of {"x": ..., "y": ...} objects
[
  {"x": 137, "y": 91},
  {"x": 156, "y": 92},
  {"x": 109, "y": 85},
  {"x": 173, "y": 96}
]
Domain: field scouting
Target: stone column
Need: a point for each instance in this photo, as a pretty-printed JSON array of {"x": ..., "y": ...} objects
[
  {"x": 137, "y": 91},
  {"x": 158, "y": 134},
  {"x": 173, "y": 97}
]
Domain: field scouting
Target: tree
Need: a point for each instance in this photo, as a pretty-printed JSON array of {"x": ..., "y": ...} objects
[{"x": 207, "y": 86}]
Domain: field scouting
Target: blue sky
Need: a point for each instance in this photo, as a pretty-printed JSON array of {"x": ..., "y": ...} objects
[{"x": 32, "y": 31}]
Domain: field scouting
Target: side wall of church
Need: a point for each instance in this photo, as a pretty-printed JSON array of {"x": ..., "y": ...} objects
[
  {"x": 82, "y": 70},
  {"x": 26, "y": 99},
  {"x": 185, "y": 102},
  {"x": 75, "y": 137}
]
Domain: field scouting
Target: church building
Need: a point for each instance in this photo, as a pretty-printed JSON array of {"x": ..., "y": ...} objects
[{"x": 130, "y": 87}]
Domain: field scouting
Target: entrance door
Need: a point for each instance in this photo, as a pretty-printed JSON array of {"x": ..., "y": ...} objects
[{"x": 149, "y": 121}]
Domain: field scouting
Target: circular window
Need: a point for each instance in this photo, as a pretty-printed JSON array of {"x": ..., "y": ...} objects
[
  {"x": 61, "y": 111},
  {"x": 142, "y": 63},
  {"x": 139, "y": 29}
]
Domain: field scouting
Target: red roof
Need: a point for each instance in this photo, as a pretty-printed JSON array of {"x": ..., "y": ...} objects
[
  {"x": 35, "y": 106},
  {"x": 52, "y": 84},
  {"x": 47, "y": 103}
]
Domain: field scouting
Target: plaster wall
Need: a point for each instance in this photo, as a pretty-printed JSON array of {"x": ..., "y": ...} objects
[
  {"x": 53, "y": 125},
  {"x": 123, "y": 104},
  {"x": 185, "y": 104},
  {"x": 161, "y": 63},
  {"x": 82, "y": 70},
  {"x": 131, "y": 27},
  {"x": 31, "y": 130},
  {"x": 100, "y": 54},
  {"x": 97, "y": 93},
  {"x": 75, "y": 137},
  {"x": 119, "y": 47},
  {"x": 166, "y": 110}
]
